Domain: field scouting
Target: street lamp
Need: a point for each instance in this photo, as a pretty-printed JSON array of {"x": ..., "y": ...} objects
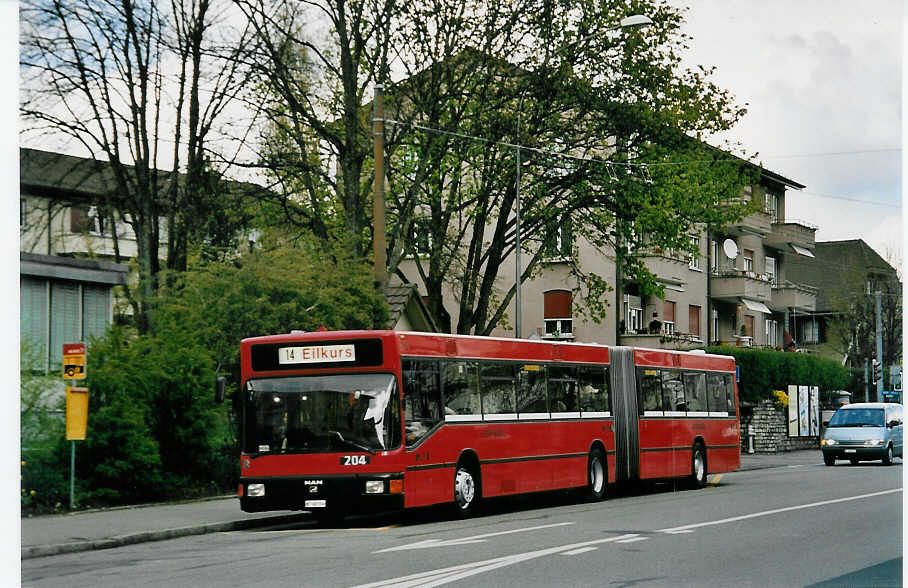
[{"x": 628, "y": 22}]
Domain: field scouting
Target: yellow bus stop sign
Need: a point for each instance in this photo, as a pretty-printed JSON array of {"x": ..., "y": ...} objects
[
  {"x": 74, "y": 361},
  {"x": 76, "y": 413}
]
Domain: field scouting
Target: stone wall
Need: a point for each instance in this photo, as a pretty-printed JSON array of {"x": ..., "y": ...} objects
[{"x": 770, "y": 423}]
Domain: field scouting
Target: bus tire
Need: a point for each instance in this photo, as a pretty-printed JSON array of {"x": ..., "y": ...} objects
[
  {"x": 467, "y": 489},
  {"x": 887, "y": 457},
  {"x": 698, "y": 466},
  {"x": 596, "y": 476}
]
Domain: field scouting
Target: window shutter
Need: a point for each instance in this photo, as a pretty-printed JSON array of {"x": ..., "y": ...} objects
[
  {"x": 668, "y": 311},
  {"x": 33, "y": 318},
  {"x": 557, "y": 304},
  {"x": 65, "y": 322}
]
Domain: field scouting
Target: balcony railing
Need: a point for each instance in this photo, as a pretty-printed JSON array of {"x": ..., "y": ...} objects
[
  {"x": 792, "y": 295},
  {"x": 791, "y": 231},
  {"x": 734, "y": 284}
]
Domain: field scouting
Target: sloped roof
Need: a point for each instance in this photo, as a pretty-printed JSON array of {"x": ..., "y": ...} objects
[
  {"x": 404, "y": 299},
  {"x": 48, "y": 172},
  {"x": 835, "y": 263}
]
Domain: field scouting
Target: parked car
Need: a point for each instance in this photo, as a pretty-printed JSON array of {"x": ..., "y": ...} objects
[{"x": 863, "y": 431}]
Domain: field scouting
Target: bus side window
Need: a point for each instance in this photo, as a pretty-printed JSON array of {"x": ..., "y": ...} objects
[
  {"x": 673, "y": 391},
  {"x": 649, "y": 386},
  {"x": 461, "y": 389},
  {"x": 594, "y": 389},
  {"x": 562, "y": 389},
  {"x": 497, "y": 385},
  {"x": 531, "y": 392},
  {"x": 422, "y": 398},
  {"x": 695, "y": 391},
  {"x": 715, "y": 388},
  {"x": 730, "y": 390}
]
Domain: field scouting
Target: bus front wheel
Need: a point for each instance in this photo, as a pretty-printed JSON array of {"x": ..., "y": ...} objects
[
  {"x": 466, "y": 490},
  {"x": 698, "y": 476},
  {"x": 597, "y": 476}
]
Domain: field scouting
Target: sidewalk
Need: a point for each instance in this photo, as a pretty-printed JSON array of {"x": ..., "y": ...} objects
[
  {"x": 115, "y": 527},
  {"x": 102, "y": 529}
]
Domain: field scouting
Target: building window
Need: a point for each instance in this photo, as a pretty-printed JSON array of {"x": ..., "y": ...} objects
[
  {"x": 772, "y": 333},
  {"x": 668, "y": 318},
  {"x": 694, "y": 260},
  {"x": 771, "y": 271},
  {"x": 771, "y": 206},
  {"x": 633, "y": 318},
  {"x": 694, "y": 320},
  {"x": 560, "y": 242},
  {"x": 748, "y": 257},
  {"x": 557, "y": 314},
  {"x": 714, "y": 256},
  {"x": 420, "y": 237},
  {"x": 715, "y": 321},
  {"x": 809, "y": 332}
]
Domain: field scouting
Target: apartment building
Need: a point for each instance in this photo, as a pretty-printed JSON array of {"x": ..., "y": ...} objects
[{"x": 741, "y": 289}]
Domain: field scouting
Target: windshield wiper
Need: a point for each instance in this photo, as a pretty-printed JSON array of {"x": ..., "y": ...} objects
[{"x": 353, "y": 444}]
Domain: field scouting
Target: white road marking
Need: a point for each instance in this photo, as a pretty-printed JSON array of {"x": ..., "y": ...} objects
[
  {"x": 466, "y": 540},
  {"x": 454, "y": 573},
  {"x": 776, "y": 511},
  {"x": 632, "y": 540},
  {"x": 459, "y": 572},
  {"x": 579, "y": 551}
]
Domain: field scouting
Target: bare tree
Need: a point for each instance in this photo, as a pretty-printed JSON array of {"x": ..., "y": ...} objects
[{"x": 139, "y": 86}]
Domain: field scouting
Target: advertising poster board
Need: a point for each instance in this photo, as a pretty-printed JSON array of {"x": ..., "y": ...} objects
[
  {"x": 792, "y": 411},
  {"x": 814, "y": 411},
  {"x": 803, "y": 411}
]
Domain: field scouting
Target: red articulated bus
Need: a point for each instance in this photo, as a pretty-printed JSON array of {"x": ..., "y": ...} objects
[{"x": 344, "y": 421}]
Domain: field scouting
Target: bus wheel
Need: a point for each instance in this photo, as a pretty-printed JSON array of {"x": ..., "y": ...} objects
[
  {"x": 698, "y": 467},
  {"x": 466, "y": 490},
  {"x": 887, "y": 457},
  {"x": 597, "y": 477}
]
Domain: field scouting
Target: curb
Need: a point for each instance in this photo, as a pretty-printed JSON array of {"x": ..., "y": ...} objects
[{"x": 34, "y": 551}]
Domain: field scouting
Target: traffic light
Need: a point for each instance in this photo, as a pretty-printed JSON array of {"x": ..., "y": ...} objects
[{"x": 877, "y": 371}]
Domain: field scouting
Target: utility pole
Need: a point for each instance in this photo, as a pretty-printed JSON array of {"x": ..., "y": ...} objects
[
  {"x": 879, "y": 344},
  {"x": 379, "y": 244}
]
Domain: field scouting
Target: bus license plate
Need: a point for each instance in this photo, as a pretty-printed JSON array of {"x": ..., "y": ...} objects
[
  {"x": 851, "y": 451},
  {"x": 316, "y": 503}
]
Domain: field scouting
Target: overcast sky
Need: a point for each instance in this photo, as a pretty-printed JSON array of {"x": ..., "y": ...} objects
[{"x": 823, "y": 81}]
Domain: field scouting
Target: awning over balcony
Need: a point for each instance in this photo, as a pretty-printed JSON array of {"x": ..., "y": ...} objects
[
  {"x": 801, "y": 250},
  {"x": 756, "y": 306}
]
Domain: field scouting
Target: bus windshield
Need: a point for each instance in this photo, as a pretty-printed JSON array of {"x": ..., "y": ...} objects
[{"x": 315, "y": 414}]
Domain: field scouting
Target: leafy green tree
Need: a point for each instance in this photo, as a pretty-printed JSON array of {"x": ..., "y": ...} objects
[
  {"x": 98, "y": 74},
  {"x": 557, "y": 79}
]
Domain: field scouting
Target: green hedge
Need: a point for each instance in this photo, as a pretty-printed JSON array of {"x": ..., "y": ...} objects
[{"x": 763, "y": 371}]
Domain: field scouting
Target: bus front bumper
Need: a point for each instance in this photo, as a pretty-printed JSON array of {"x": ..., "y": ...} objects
[{"x": 361, "y": 493}]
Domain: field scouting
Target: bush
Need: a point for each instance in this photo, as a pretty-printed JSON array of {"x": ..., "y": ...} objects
[{"x": 763, "y": 371}]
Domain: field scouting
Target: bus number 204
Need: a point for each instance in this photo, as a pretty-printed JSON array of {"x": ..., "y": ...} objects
[{"x": 354, "y": 460}]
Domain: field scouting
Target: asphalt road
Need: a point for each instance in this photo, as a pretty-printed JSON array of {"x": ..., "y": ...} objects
[{"x": 806, "y": 525}]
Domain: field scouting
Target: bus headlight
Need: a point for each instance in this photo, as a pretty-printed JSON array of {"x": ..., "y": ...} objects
[
  {"x": 255, "y": 490},
  {"x": 375, "y": 486},
  {"x": 873, "y": 442},
  {"x": 827, "y": 442}
]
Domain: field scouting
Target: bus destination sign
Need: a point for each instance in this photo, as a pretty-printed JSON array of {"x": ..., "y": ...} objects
[{"x": 316, "y": 354}]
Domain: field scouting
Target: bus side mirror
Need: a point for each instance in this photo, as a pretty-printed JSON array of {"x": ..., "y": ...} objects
[
  {"x": 825, "y": 423},
  {"x": 220, "y": 389}
]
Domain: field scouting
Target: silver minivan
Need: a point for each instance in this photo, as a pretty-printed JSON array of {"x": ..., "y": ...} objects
[{"x": 863, "y": 431}]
